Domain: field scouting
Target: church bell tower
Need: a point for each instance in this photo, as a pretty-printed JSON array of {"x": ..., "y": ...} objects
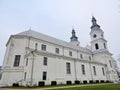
[{"x": 98, "y": 42}]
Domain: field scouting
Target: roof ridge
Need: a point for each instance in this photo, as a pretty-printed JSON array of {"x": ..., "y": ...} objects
[{"x": 51, "y": 39}]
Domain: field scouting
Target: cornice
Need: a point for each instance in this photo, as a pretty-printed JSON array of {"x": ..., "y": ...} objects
[{"x": 60, "y": 56}]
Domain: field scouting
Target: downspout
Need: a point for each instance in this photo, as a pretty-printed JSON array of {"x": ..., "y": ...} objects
[
  {"x": 75, "y": 69},
  {"x": 90, "y": 68},
  {"x": 32, "y": 69},
  {"x": 75, "y": 66},
  {"x": 91, "y": 71}
]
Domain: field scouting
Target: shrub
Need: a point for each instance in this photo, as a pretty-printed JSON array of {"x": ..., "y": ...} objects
[
  {"x": 91, "y": 81},
  {"x": 53, "y": 83},
  {"x": 77, "y": 82},
  {"x": 85, "y": 82},
  {"x": 69, "y": 82},
  {"x": 107, "y": 81},
  {"x": 97, "y": 81},
  {"x": 42, "y": 83},
  {"x": 15, "y": 85},
  {"x": 101, "y": 81}
]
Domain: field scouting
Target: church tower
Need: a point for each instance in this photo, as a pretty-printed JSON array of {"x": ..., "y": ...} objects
[
  {"x": 74, "y": 38},
  {"x": 100, "y": 50},
  {"x": 98, "y": 42}
]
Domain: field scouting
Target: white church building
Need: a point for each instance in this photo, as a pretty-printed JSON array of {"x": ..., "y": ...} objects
[{"x": 33, "y": 58}]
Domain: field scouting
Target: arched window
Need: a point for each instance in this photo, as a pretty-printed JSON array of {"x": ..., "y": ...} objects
[
  {"x": 101, "y": 35},
  {"x": 36, "y": 45},
  {"x": 45, "y": 60},
  {"x": 110, "y": 63},
  {"x": 96, "y": 46},
  {"x": 104, "y": 46},
  {"x": 94, "y": 36}
]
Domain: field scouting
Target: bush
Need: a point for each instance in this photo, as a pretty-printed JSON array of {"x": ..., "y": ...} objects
[
  {"x": 91, "y": 81},
  {"x": 97, "y": 81},
  {"x": 77, "y": 82},
  {"x": 15, "y": 85},
  {"x": 101, "y": 81},
  {"x": 69, "y": 82},
  {"x": 41, "y": 83},
  {"x": 85, "y": 82},
  {"x": 53, "y": 83},
  {"x": 107, "y": 81}
]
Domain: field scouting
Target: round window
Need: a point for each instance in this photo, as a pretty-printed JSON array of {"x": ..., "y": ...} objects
[{"x": 94, "y": 35}]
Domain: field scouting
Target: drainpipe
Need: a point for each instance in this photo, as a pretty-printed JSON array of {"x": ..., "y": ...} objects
[
  {"x": 75, "y": 69},
  {"x": 91, "y": 70},
  {"x": 31, "y": 84}
]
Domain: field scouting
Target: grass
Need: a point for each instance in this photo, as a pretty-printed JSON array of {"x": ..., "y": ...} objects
[
  {"x": 71, "y": 87},
  {"x": 94, "y": 87}
]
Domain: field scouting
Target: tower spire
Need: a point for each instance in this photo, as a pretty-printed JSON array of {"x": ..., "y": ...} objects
[
  {"x": 74, "y": 37},
  {"x": 98, "y": 42},
  {"x": 94, "y": 23}
]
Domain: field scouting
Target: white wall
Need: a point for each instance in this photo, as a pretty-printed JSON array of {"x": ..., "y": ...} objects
[{"x": 56, "y": 68}]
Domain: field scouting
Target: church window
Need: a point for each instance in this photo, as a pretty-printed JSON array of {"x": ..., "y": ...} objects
[
  {"x": 101, "y": 35},
  {"x": 103, "y": 71},
  {"x": 26, "y": 61},
  {"x": 17, "y": 60},
  {"x": 94, "y": 70},
  {"x": 68, "y": 69},
  {"x": 104, "y": 46},
  {"x": 94, "y": 36},
  {"x": 70, "y": 53},
  {"x": 83, "y": 69},
  {"x": 44, "y": 75},
  {"x": 96, "y": 46},
  {"x": 57, "y": 50},
  {"x": 89, "y": 57},
  {"x": 36, "y": 45},
  {"x": 43, "y": 47},
  {"x": 0, "y": 76},
  {"x": 110, "y": 63},
  {"x": 45, "y": 60},
  {"x": 81, "y": 56},
  {"x": 25, "y": 76}
]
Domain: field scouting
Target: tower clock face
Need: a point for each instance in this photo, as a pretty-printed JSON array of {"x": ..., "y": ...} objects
[{"x": 94, "y": 36}]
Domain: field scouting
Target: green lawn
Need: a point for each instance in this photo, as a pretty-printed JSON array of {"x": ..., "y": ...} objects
[
  {"x": 95, "y": 87},
  {"x": 72, "y": 87}
]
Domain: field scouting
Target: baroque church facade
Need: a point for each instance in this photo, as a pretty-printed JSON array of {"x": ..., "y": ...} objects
[{"x": 33, "y": 58}]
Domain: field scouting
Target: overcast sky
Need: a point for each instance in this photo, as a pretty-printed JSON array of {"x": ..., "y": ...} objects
[{"x": 57, "y": 17}]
